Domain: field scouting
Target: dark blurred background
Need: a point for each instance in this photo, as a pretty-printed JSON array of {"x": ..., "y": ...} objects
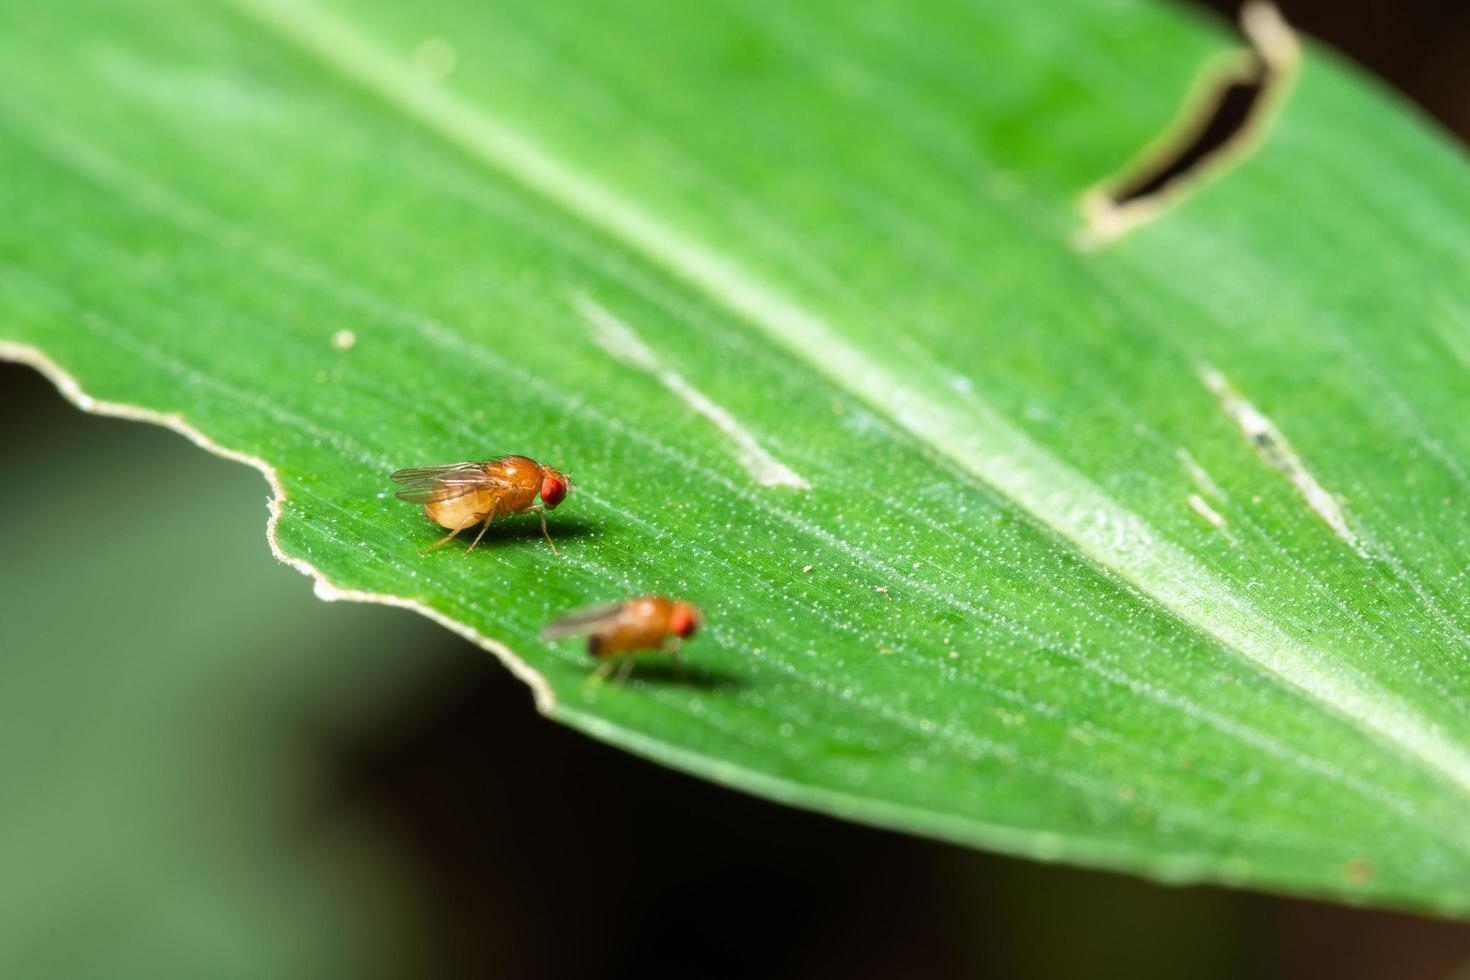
[{"x": 209, "y": 773}]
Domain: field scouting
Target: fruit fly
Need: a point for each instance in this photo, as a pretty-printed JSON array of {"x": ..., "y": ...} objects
[
  {"x": 460, "y": 495},
  {"x": 617, "y": 631}
]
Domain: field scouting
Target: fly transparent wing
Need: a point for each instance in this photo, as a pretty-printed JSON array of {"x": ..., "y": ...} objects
[
  {"x": 582, "y": 621},
  {"x": 436, "y": 484}
]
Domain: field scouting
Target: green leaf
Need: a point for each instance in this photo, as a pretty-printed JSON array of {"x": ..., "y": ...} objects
[{"x": 1147, "y": 555}]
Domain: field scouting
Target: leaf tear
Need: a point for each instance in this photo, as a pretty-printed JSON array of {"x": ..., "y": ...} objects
[{"x": 1225, "y": 117}]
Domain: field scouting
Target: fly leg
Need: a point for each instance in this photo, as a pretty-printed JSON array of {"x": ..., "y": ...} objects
[
  {"x": 625, "y": 669},
  {"x": 445, "y": 540},
  {"x": 672, "y": 647},
  {"x": 541, "y": 513},
  {"x": 600, "y": 674},
  {"x": 494, "y": 511}
]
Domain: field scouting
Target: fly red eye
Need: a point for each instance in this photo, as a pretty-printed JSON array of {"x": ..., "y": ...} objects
[
  {"x": 553, "y": 490},
  {"x": 683, "y": 621}
]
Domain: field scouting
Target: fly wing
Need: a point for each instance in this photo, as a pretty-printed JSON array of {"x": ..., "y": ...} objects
[
  {"x": 436, "y": 484},
  {"x": 582, "y": 621}
]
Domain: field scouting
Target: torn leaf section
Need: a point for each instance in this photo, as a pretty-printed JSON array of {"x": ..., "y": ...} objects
[
  {"x": 1224, "y": 119},
  {"x": 1229, "y": 111}
]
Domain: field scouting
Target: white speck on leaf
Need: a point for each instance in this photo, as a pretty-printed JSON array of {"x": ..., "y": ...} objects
[{"x": 1211, "y": 516}]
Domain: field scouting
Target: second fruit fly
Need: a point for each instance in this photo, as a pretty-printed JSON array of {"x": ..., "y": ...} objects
[{"x": 617, "y": 631}]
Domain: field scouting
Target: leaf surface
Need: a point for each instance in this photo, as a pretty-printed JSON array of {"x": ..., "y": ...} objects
[{"x": 1150, "y": 555}]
